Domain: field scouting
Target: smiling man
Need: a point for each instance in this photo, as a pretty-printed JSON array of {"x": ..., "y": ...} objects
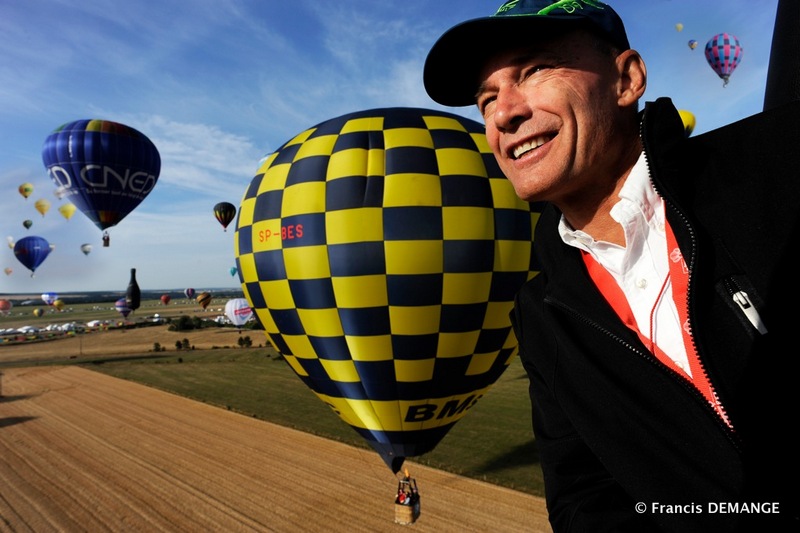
[{"x": 654, "y": 336}]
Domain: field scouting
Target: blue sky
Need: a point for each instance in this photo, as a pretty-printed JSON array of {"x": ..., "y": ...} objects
[{"x": 219, "y": 84}]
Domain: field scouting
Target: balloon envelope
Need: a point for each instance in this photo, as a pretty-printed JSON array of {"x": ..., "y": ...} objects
[
  {"x": 59, "y": 304},
  {"x": 42, "y": 205},
  {"x": 8, "y": 271},
  {"x": 105, "y": 168},
  {"x": 189, "y": 293},
  {"x": 723, "y": 53},
  {"x": 27, "y": 223},
  {"x": 5, "y": 306},
  {"x": 32, "y": 251},
  {"x": 49, "y": 297},
  {"x": 38, "y": 311},
  {"x": 238, "y": 311},
  {"x": 381, "y": 251},
  {"x": 165, "y": 299},
  {"x": 692, "y": 43},
  {"x": 122, "y": 308},
  {"x": 204, "y": 298},
  {"x": 225, "y": 213},
  {"x": 26, "y": 189},
  {"x": 67, "y": 210},
  {"x": 86, "y": 248},
  {"x": 689, "y": 121}
]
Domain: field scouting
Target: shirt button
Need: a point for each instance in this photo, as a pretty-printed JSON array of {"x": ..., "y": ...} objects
[{"x": 641, "y": 283}]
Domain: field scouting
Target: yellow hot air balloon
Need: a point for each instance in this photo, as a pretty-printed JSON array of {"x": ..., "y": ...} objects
[
  {"x": 381, "y": 251},
  {"x": 679, "y": 26},
  {"x": 67, "y": 210},
  {"x": 26, "y": 189},
  {"x": 688, "y": 121},
  {"x": 42, "y": 205},
  {"x": 59, "y": 304}
]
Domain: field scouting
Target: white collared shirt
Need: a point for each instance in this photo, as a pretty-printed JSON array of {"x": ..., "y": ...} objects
[{"x": 641, "y": 268}]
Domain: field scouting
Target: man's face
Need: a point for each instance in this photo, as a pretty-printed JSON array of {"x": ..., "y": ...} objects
[{"x": 551, "y": 113}]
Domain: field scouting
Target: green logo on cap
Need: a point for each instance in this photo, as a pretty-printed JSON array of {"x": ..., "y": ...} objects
[{"x": 567, "y": 5}]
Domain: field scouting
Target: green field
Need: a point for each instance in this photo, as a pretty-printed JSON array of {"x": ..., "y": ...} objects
[{"x": 493, "y": 442}]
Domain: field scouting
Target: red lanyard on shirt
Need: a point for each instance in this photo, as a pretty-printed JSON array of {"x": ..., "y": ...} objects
[{"x": 679, "y": 275}]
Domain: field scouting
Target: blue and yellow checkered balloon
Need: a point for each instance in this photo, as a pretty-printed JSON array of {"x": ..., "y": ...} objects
[{"x": 381, "y": 251}]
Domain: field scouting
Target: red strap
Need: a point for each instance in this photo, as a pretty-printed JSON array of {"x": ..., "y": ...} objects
[{"x": 679, "y": 275}]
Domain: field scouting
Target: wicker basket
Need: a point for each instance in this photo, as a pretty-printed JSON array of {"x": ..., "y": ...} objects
[
  {"x": 406, "y": 511},
  {"x": 406, "y": 514}
]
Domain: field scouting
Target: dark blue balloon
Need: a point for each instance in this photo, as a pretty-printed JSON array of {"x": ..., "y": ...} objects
[
  {"x": 32, "y": 251},
  {"x": 105, "y": 168}
]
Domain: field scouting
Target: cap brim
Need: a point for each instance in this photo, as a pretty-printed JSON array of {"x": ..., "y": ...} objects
[{"x": 453, "y": 66}]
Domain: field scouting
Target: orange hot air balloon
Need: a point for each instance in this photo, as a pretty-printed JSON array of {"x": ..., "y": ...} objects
[
  {"x": 5, "y": 307},
  {"x": 204, "y": 298},
  {"x": 165, "y": 299}
]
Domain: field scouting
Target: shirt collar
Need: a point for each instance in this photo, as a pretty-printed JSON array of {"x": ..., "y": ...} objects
[{"x": 637, "y": 193}]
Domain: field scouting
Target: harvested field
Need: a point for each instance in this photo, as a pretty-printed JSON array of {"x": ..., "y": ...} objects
[{"x": 82, "y": 451}]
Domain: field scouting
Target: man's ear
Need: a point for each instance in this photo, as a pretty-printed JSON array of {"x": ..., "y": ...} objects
[{"x": 632, "y": 77}]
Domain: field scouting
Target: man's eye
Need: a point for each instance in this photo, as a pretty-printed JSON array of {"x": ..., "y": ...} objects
[
  {"x": 485, "y": 105},
  {"x": 534, "y": 69}
]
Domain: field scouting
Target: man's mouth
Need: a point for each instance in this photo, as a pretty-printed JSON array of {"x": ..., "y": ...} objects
[{"x": 526, "y": 147}]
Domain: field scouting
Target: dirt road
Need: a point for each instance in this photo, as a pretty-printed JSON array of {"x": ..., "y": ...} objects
[{"x": 82, "y": 451}]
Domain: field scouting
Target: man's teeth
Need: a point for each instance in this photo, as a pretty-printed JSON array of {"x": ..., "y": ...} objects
[{"x": 528, "y": 146}]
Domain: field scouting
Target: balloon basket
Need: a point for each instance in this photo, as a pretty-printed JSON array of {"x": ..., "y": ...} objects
[{"x": 406, "y": 505}]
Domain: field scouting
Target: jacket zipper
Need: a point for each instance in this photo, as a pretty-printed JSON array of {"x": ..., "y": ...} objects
[
  {"x": 741, "y": 298},
  {"x": 690, "y": 265},
  {"x": 683, "y": 381}
]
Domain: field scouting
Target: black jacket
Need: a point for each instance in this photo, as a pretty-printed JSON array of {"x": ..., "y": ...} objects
[{"x": 614, "y": 427}]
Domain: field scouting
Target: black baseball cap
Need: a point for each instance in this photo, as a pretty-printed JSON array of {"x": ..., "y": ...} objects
[{"x": 452, "y": 66}]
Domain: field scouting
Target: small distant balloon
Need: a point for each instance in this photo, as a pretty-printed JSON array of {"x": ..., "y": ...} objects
[
  {"x": 225, "y": 213},
  {"x": 122, "y": 308},
  {"x": 86, "y": 248},
  {"x": 689, "y": 121},
  {"x": 204, "y": 298},
  {"x": 189, "y": 293},
  {"x": 42, "y": 205},
  {"x": 9, "y": 271},
  {"x": 67, "y": 210},
  {"x": 692, "y": 43},
  {"x": 5, "y": 306},
  {"x": 38, "y": 311},
  {"x": 59, "y": 304},
  {"x": 165, "y": 299},
  {"x": 31, "y": 252},
  {"x": 238, "y": 311},
  {"x": 724, "y": 53},
  {"x": 679, "y": 26},
  {"x": 27, "y": 223},
  {"x": 26, "y": 189},
  {"x": 49, "y": 297},
  {"x": 10, "y": 240},
  {"x": 233, "y": 271}
]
